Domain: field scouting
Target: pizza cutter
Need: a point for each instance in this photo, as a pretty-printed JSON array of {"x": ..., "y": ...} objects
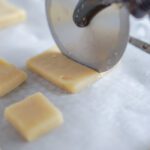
[{"x": 101, "y": 44}]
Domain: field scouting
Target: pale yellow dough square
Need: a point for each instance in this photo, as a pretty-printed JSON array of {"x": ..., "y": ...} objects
[
  {"x": 10, "y": 14},
  {"x": 62, "y": 71},
  {"x": 34, "y": 116},
  {"x": 10, "y": 77}
]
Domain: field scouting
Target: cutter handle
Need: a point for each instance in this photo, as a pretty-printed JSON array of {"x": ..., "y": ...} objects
[{"x": 139, "y": 8}]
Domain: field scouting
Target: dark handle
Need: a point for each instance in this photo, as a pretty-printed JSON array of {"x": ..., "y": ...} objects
[
  {"x": 139, "y": 8},
  {"x": 86, "y": 10}
]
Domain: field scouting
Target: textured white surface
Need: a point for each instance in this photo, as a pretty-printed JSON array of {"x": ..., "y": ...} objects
[{"x": 114, "y": 114}]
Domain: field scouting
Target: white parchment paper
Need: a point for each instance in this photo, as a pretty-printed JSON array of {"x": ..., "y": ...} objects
[{"x": 114, "y": 114}]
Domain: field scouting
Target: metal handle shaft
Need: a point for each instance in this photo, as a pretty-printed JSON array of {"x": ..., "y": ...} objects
[{"x": 140, "y": 44}]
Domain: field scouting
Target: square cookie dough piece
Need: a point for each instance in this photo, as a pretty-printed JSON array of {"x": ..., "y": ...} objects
[
  {"x": 10, "y": 77},
  {"x": 34, "y": 116},
  {"x": 10, "y": 14},
  {"x": 62, "y": 71}
]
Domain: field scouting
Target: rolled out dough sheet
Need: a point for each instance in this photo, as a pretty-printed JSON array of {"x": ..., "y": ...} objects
[
  {"x": 10, "y": 14},
  {"x": 62, "y": 71}
]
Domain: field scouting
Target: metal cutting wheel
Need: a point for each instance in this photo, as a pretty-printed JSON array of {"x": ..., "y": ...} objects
[{"x": 100, "y": 45}]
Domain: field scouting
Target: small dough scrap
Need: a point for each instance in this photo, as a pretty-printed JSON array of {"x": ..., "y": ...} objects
[
  {"x": 10, "y": 14},
  {"x": 34, "y": 116},
  {"x": 10, "y": 77},
  {"x": 62, "y": 71}
]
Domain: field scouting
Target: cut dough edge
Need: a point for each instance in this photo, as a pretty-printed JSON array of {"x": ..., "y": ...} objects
[{"x": 91, "y": 78}]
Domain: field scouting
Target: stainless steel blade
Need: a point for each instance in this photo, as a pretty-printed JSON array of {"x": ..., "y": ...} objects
[{"x": 99, "y": 45}]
